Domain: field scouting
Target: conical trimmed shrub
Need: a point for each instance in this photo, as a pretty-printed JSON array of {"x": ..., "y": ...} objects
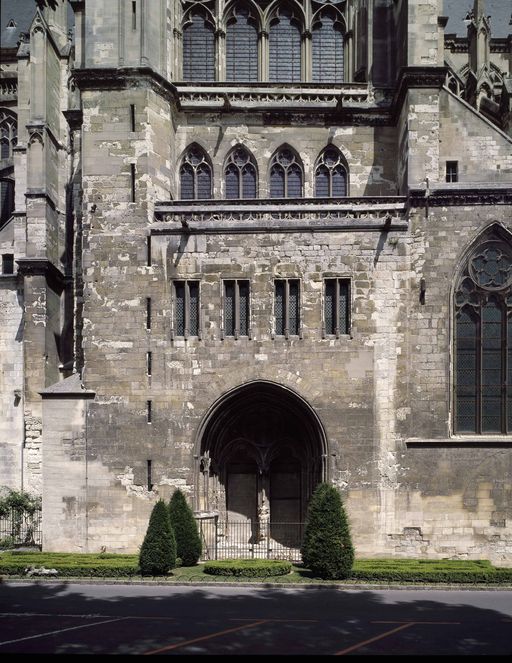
[
  {"x": 158, "y": 551},
  {"x": 327, "y": 548},
  {"x": 188, "y": 543}
]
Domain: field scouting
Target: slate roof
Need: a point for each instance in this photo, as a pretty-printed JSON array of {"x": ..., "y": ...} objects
[
  {"x": 21, "y": 12},
  {"x": 500, "y": 12}
]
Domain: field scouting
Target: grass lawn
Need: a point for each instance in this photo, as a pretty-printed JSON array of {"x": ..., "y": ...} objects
[{"x": 72, "y": 565}]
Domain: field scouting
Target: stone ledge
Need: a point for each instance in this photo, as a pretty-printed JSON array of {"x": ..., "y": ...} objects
[{"x": 470, "y": 441}]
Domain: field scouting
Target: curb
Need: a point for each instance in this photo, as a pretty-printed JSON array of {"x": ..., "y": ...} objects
[{"x": 260, "y": 585}]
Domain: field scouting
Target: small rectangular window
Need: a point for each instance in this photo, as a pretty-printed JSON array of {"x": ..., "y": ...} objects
[
  {"x": 148, "y": 312},
  {"x": 186, "y": 308},
  {"x": 336, "y": 307},
  {"x": 287, "y": 307},
  {"x": 452, "y": 171},
  {"x": 149, "y": 410},
  {"x": 236, "y": 308},
  {"x": 7, "y": 263},
  {"x": 132, "y": 117},
  {"x": 149, "y": 363}
]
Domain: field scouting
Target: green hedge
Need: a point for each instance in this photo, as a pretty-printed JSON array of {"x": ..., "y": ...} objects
[
  {"x": 248, "y": 568},
  {"x": 77, "y": 565},
  {"x": 430, "y": 571}
]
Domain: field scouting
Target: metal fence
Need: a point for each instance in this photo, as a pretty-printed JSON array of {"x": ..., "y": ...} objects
[
  {"x": 250, "y": 540},
  {"x": 19, "y": 528}
]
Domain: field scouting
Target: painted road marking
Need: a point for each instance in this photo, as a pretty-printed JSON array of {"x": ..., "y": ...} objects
[
  {"x": 75, "y": 616},
  {"x": 205, "y": 637},
  {"x": 409, "y": 622},
  {"x": 62, "y": 630},
  {"x": 342, "y": 652},
  {"x": 272, "y": 619}
]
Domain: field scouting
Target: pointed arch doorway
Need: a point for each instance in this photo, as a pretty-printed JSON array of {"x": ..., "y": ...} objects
[{"x": 262, "y": 451}]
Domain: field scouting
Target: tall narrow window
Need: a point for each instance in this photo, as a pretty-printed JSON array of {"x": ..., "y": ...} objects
[
  {"x": 8, "y": 263},
  {"x": 241, "y": 46},
  {"x": 186, "y": 308},
  {"x": 336, "y": 307},
  {"x": 8, "y": 134},
  {"x": 134, "y": 15},
  {"x": 236, "y": 308},
  {"x": 8, "y": 141},
  {"x": 132, "y": 117},
  {"x": 132, "y": 182},
  {"x": 452, "y": 171},
  {"x": 285, "y": 47},
  {"x": 287, "y": 307},
  {"x": 328, "y": 42},
  {"x": 285, "y": 175},
  {"x": 330, "y": 174},
  {"x": 240, "y": 172},
  {"x": 148, "y": 312},
  {"x": 198, "y": 47},
  {"x": 195, "y": 175},
  {"x": 149, "y": 258},
  {"x": 6, "y": 199},
  {"x": 483, "y": 340},
  {"x": 149, "y": 472}
]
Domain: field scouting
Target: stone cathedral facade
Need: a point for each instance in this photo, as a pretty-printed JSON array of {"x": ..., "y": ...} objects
[{"x": 251, "y": 245}]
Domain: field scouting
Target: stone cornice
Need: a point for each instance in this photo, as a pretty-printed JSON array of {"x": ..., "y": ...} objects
[
  {"x": 122, "y": 78},
  {"x": 42, "y": 267},
  {"x": 280, "y": 216},
  {"x": 355, "y": 103},
  {"x": 418, "y": 78},
  {"x": 452, "y": 196},
  {"x": 460, "y": 442}
]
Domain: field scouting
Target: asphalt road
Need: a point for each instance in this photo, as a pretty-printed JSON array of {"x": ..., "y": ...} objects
[{"x": 141, "y": 619}]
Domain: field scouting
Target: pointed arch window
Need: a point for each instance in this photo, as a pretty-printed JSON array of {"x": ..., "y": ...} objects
[
  {"x": 8, "y": 134},
  {"x": 240, "y": 173},
  {"x": 195, "y": 175},
  {"x": 198, "y": 47},
  {"x": 285, "y": 47},
  {"x": 330, "y": 174},
  {"x": 328, "y": 37},
  {"x": 286, "y": 175},
  {"x": 241, "y": 46},
  {"x": 483, "y": 340}
]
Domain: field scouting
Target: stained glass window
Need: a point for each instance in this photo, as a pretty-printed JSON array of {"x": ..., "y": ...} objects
[
  {"x": 241, "y": 46},
  {"x": 330, "y": 174},
  {"x": 328, "y": 44},
  {"x": 240, "y": 174},
  {"x": 195, "y": 175},
  {"x": 285, "y": 47},
  {"x": 483, "y": 335},
  {"x": 198, "y": 48},
  {"x": 286, "y": 175}
]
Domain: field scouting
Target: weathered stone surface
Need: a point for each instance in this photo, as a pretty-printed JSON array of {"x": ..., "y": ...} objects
[{"x": 246, "y": 426}]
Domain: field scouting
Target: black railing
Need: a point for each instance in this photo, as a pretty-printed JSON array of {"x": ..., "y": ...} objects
[
  {"x": 19, "y": 528},
  {"x": 250, "y": 540}
]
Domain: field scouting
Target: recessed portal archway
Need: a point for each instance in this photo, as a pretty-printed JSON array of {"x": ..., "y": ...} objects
[{"x": 261, "y": 451}]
